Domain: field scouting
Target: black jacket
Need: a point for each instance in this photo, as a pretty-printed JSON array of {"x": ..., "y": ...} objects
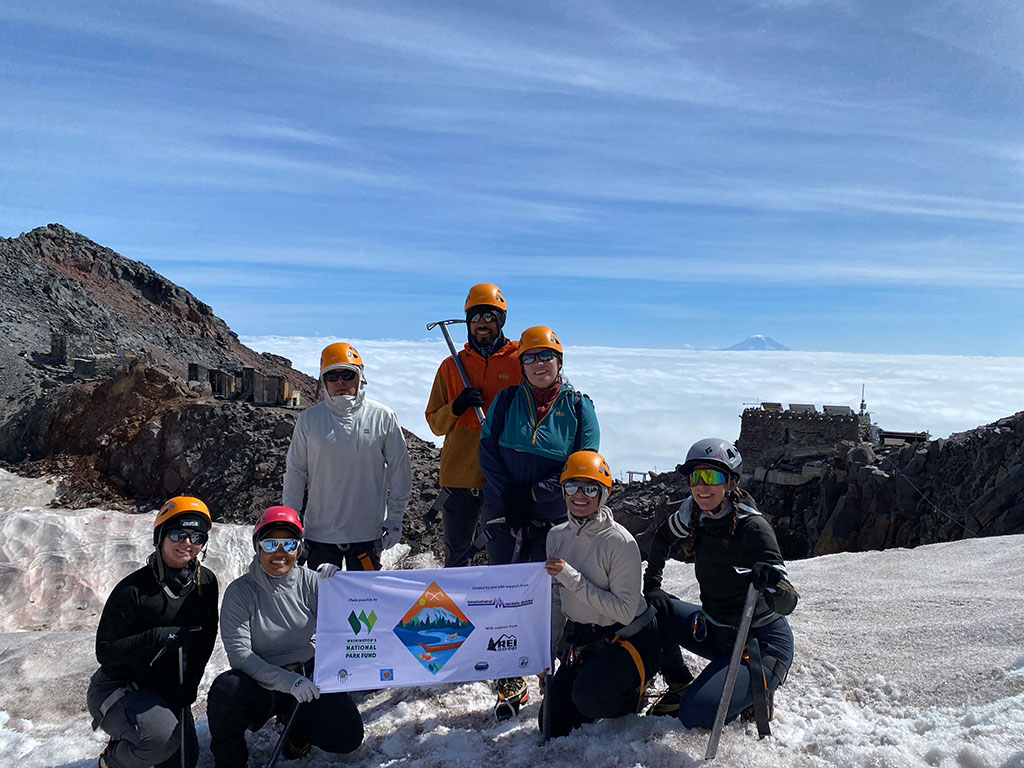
[
  {"x": 126, "y": 641},
  {"x": 716, "y": 555}
]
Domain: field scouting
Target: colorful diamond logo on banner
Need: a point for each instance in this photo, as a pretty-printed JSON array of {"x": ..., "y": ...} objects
[{"x": 433, "y": 628}]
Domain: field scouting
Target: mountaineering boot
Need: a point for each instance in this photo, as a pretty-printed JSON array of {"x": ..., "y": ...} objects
[
  {"x": 104, "y": 761},
  {"x": 292, "y": 751},
  {"x": 512, "y": 694},
  {"x": 668, "y": 703},
  {"x": 748, "y": 716}
]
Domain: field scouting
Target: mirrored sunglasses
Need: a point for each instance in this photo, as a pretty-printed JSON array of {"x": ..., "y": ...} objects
[
  {"x": 344, "y": 374},
  {"x": 194, "y": 537},
  {"x": 571, "y": 488},
  {"x": 544, "y": 356},
  {"x": 483, "y": 317},
  {"x": 707, "y": 476},
  {"x": 272, "y": 545}
]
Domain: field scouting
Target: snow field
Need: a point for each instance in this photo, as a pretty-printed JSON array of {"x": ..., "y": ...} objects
[{"x": 904, "y": 658}]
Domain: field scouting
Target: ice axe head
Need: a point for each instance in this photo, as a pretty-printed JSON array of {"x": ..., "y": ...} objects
[{"x": 432, "y": 326}]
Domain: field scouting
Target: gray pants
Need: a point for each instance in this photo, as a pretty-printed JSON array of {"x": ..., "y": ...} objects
[{"x": 146, "y": 731}]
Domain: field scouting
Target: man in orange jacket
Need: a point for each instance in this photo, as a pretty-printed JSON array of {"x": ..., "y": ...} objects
[{"x": 491, "y": 365}]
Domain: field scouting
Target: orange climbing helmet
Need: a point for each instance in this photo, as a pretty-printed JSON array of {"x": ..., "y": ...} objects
[
  {"x": 186, "y": 512},
  {"x": 539, "y": 337},
  {"x": 588, "y": 464},
  {"x": 338, "y": 354},
  {"x": 485, "y": 295}
]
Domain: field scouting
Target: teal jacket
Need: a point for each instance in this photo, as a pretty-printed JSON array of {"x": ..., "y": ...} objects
[{"x": 518, "y": 450}]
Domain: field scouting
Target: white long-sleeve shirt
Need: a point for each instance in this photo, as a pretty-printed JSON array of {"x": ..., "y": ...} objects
[{"x": 352, "y": 458}]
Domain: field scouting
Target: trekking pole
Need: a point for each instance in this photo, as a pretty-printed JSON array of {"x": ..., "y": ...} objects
[
  {"x": 284, "y": 735},
  {"x": 455, "y": 356},
  {"x": 734, "y": 667},
  {"x": 181, "y": 721}
]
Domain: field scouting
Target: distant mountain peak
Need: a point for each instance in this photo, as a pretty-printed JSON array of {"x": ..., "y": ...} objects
[{"x": 758, "y": 342}]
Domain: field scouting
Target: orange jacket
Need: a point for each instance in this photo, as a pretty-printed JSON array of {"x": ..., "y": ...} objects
[{"x": 460, "y": 465}]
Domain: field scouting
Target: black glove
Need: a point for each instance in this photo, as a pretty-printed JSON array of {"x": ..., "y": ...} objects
[
  {"x": 169, "y": 639},
  {"x": 518, "y": 502},
  {"x": 183, "y": 695},
  {"x": 468, "y": 397},
  {"x": 659, "y": 598},
  {"x": 764, "y": 576}
]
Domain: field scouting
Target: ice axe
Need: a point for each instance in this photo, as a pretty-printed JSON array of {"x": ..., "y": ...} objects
[
  {"x": 734, "y": 668},
  {"x": 455, "y": 356}
]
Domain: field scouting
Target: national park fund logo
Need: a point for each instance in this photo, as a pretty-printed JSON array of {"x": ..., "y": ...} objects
[
  {"x": 361, "y": 620},
  {"x": 434, "y": 628}
]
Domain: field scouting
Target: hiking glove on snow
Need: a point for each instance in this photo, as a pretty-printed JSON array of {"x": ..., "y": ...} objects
[
  {"x": 468, "y": 397},
  {"x": 390, "y": 535},
  {"x": 304, "y": 690},
  {"x": 764, "y": 576}
]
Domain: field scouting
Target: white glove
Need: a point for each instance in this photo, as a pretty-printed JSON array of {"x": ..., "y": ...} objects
[
  {"x": 304, "y": 690},
  {"x": 390, "y": 535},
  {"x": 326, "y": 570}
]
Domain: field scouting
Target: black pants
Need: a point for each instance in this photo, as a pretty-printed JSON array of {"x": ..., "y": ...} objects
[
  {"x": 604, "y": 682},
  {"x": 357, "y": 556},
  {"x": 501, "y": 542},
  {"x": 460, "y": 517},
  {"x": 238, "y": 703}
]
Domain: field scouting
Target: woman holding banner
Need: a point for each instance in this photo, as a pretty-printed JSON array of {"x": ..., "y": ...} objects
[
  {"x": 267, "y": 623},
  {"x": 603, "y": 631}
]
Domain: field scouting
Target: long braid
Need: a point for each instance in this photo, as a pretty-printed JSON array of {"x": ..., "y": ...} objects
[{"x": 734, "y": 498}]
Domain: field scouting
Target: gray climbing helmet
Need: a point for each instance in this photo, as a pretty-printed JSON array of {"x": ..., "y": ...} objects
[{"x": 714, "y": 452}]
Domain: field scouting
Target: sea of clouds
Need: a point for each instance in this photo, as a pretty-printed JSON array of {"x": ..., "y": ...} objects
[{"x": 653, "y": 403}]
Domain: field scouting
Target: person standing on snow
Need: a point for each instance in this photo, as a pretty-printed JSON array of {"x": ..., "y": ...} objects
[
  {"x": 490, "y": 364},
  {"x": 267, "y": 625},
  {"x": 530, "y": 431},
  {"x": 720, "y": 526},
  {"x": 603, "y": 631},
  {"x": 349, "y": 454},
  {"x": 155, "y": 636}
]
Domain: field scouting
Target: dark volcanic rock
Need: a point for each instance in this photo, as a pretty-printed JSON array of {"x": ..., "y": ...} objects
[
  {"x": 143, "y": 435},
  {"x": 53, "y": 280}
]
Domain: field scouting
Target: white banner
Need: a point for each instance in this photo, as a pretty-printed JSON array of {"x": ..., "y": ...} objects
[{"x": 377, "y": 629}]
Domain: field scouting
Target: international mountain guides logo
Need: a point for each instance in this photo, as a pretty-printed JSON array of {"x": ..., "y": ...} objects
[
  {"x": 362, "y": 620},
  {"x": 433, "y": 628}
]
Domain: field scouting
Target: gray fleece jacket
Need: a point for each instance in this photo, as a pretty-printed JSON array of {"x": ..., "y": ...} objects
[
  {"x": 267, "y": 622},
  {"x": 600, "y": 581}
]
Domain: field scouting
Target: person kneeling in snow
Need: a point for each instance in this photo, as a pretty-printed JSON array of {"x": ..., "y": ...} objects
[
  {"x": 154, "y": 639},
  {"x": 609, "y": 642},
  {"x": 720, "y": 527},
  {"x": 267, "y": 625}
]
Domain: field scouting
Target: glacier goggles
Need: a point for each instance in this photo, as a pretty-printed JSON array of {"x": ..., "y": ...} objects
[
  {"x": 272, "y": 545},
  {"x": 544, "y": 356},
  {"x": 345, "y": 374},
  {"x": 708, "y": 477},
  {"x": 484, "y": 317},
  {"x": 194, "y": 537},
  {"x": 572, "y": 487}
]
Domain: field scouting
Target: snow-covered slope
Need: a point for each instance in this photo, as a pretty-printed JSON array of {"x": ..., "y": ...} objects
[{"x": 904, "y": 658}]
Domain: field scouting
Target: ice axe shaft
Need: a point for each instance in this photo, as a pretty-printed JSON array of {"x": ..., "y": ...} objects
[
  {"x": 730, "y": 677},
  {"x": 455, "y": 356}
]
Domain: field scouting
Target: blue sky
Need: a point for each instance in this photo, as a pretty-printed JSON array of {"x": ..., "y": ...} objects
[{"x": 839, "y": 175}]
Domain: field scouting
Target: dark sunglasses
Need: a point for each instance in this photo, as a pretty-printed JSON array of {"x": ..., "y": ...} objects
[
  {"x": 483, "y": 317},
  {"x": 572, "y": 487},
  {"x": 194, "y": 537},
  {"x": 708, "y": 476},
  {"x": 544, "y": 356},
  {"x": 345, "y": 375},
  {"x": 272, "y": 545}
]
